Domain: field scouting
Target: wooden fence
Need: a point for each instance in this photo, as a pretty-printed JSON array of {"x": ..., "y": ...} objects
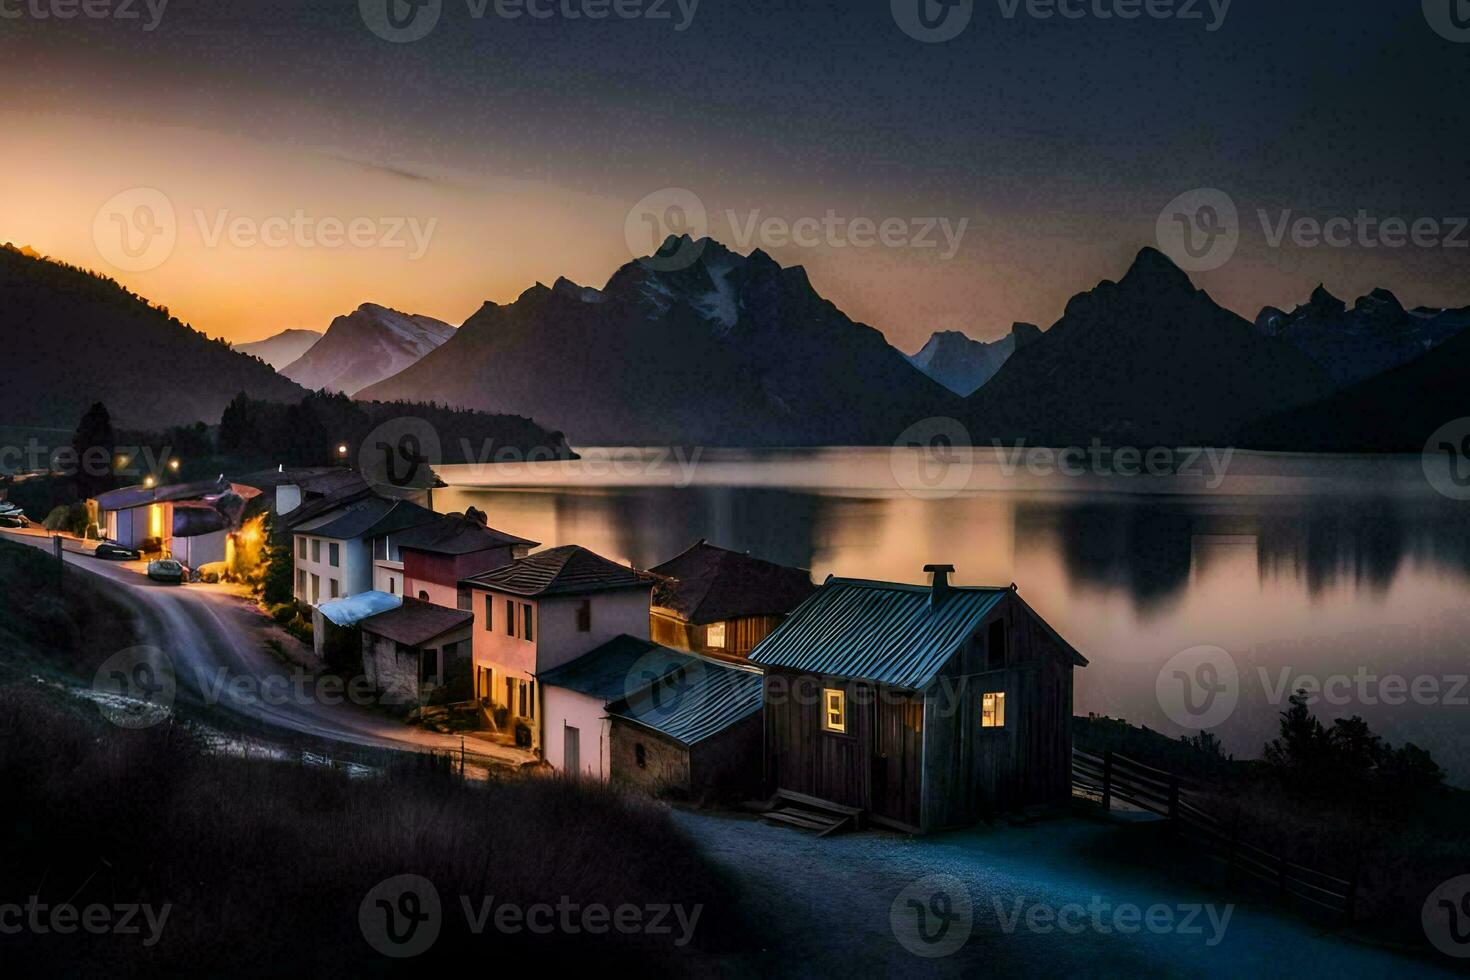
[{"x": 1187, "y": 803}]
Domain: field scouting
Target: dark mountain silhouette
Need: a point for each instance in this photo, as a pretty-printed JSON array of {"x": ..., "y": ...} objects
[
  {"x": 1148, "y": 360},
  {"x": 963, "y": 364},
  {"x": 1393, "y": 412},
  {"x": 1375, "y": 336},
  {"x": 366, "y": 346},
  {"x": 74, "y": 338},
  {"x": 281, "y": 349},
  {"x": 695, "y": 345}
]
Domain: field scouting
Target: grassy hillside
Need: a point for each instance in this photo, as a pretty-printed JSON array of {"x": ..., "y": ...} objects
[{"x": 74, "y": 337}]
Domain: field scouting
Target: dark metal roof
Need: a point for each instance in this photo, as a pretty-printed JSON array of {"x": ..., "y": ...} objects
[
  {"x": 877, "y": 631},
  {"x": 366, "y": 518},
  {"x": 569, "y": 570},
  {"x": 141, "y": 496},
  {"x": 698, "y": 701},
  {"x": 621, "y": 666},
  {"x": 707, "y": 584},
  {"x": 455, "y": 534},
  {"x": 416, "y": 622}
]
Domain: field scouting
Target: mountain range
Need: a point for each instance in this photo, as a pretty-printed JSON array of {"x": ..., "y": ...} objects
[
  {"x": 1375, "y": 336},
  {"x": 364, "y": 347},
  {"x": 1396, "y": 411},
  {"x": 695, "y": 345},
  {"x": 963, "y": 364},
  {"x": 1147, "y": 360},
  {"x": 282, "y": 349},
  {"x": 74, "y": 338}
]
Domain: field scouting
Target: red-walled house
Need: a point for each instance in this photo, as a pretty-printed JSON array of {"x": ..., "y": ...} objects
[{"x": 436, "y": 556}]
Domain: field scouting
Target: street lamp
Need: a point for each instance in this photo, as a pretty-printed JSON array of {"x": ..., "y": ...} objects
[{"x": 173, "y": 464}]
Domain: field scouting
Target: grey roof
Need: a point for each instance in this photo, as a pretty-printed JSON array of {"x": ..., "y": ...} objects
[
  {"x": 569, "y": 570},
  {"x": 456, "y": 534},
  {"x": 141, "y": 496},
  {"x": 415, "y": 622},
  {"x": 698, "y": 701},
  {"x": 877, "y": 631},
  {"x": 707, "y": 584},
  {"x": 369, "y": 517},
  {"x": 621, "y": 666}
]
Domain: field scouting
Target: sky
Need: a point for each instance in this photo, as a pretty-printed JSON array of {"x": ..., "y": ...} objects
[{"x": 272, "y": 164}]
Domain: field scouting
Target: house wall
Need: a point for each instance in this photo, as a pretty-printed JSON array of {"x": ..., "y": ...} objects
[
  {"x": 728, "y": 765},
  {"x": 394, "y": 669},
  {"x": 666, "y": 762},
  {"x": 972, "y": 772},
  {"x": 563, "y": 708},
  {"x": 741, "y": 635},
  {"x": 201, "y": 549},
  {"x": 801, "y": 755},
  {"x": 556, "y": 639},
  {"x": 132, "y": 526},
  {"x": 388, "y": 577},
  {"x": 353, "y": 572}
]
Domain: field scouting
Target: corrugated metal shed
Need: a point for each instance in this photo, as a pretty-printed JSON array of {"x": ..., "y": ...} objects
[
  {"x": 702, "y": 700},
  {"x": 876, "y": 631},
  {"x": 621, "y": 665}
]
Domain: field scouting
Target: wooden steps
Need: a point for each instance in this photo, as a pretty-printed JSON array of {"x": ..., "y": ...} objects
[{"x": 809, "y": 813}]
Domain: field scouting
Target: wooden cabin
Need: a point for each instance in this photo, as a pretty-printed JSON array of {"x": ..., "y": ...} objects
[
  {"x": 925, "y": 708},
  {"x": 722, "y": 603}
]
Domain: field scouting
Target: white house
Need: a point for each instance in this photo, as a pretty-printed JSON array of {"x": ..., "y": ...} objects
[
  {"x": 545, "y": 610},
  {"x": 334, "y": 550},
  {"x": 188, "y": 521},
  {"x": 576, "y": 694}
]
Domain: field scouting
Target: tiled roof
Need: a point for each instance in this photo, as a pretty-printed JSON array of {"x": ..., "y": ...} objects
[
  {"x": 416, "y": 622},
  {"x": 709, "y": 584},
  {"x": 619, "y": 667},
  {"x": 455, "y": 534},
  {"x": 569, "y": 570}
]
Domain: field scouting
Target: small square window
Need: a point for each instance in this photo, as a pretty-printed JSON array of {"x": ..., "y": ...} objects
[
  {"x": 993, "y": 710},
  {"x": 714, "y": 636},
  {"x": 834, "y": 710}
]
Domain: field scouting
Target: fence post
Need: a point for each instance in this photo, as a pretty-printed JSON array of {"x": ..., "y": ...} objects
[{"x": 1107, "y": 796}]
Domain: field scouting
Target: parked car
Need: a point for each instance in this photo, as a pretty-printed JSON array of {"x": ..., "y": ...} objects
[
  {"x": 11, "y": 520},
  {"x": 115, "y": 552},
  {"x": 166, "y": 570}
]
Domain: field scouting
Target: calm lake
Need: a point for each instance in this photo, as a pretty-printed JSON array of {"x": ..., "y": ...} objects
[{"x": 1346, "y": 574}]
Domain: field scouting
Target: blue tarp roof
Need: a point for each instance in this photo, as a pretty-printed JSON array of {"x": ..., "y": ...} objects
[{"x": 355, "y": 608}]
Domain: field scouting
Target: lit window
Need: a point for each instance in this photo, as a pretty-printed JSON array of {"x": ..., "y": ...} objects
[
  {"x": 834, "y": 710},
  {"x": 993, "y": 711},
  {"x": 714, "y": 636}
]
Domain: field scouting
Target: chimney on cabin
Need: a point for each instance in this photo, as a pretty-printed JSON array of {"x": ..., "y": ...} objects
[{"x": 939, "y": 588}]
